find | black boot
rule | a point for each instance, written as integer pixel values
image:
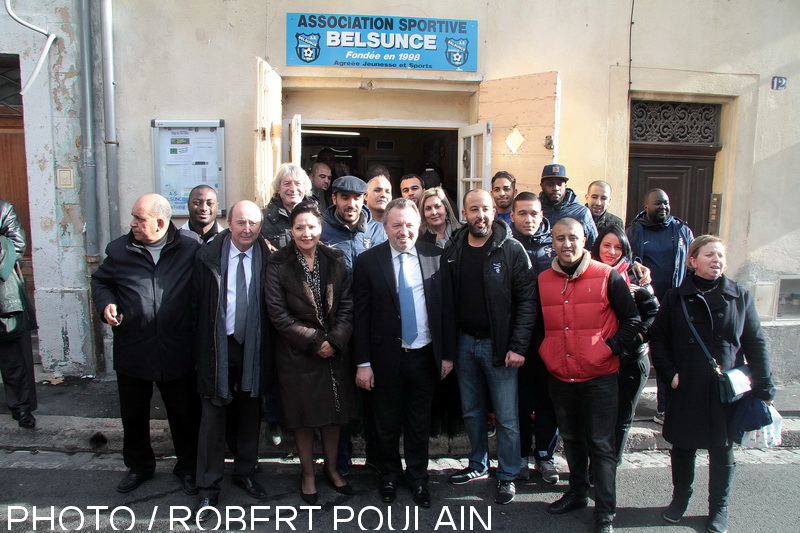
(682, 481)
(720, 477)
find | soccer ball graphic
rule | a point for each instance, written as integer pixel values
(457, 57)
(308, 54)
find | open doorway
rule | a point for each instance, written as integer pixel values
(401, 150)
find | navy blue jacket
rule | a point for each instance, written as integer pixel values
(539, 247)
(672, 234)
(352, 241)
(570, 208)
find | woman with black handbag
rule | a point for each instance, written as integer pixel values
(705, 327)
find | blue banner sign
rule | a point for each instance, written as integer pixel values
(381, 42)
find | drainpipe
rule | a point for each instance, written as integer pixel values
(89, 166)
(110, 119)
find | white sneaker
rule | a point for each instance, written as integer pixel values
(524, 469)
(548, 471)
(659, 418)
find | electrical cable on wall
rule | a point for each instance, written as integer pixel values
(51, 37)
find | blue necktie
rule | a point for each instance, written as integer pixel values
(408, 315)
(240, 316)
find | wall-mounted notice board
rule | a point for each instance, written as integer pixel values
(187, 153)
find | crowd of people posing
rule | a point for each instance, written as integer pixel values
(337, 303)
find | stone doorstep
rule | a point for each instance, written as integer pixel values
(104, 435)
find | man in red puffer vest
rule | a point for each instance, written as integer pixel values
(589, 317)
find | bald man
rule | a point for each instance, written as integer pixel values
(379, 194)
(230, 345)
(589, 318)
(142, 290)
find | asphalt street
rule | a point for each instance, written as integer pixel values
(77, 492)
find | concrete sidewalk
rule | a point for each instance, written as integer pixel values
(82, 414)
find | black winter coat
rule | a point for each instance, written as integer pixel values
(205, 294)
(154, 341)
(730, 329)
(10, 227)
(509, 285)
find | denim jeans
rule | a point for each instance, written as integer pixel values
(587, 415)
(478, 379)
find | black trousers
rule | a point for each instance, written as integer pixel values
(211, 447)
(403, 404)
(534, 397)
(587, 415)
(183, 414)
(16, 367)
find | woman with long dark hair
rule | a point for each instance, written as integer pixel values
(613, 249)
(310, 303)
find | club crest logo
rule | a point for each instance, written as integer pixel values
(307, 47)
(456, 52)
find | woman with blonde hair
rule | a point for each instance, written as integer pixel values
(290, 187)
(438, 219)
(704, 327)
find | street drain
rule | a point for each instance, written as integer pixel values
(98, 442)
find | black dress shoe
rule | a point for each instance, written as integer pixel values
(188, 484)
(206, 514)
(422, 497)
(25, 419)
(568, 502)
(345, 489)
(388, 492)
(251, 486)
(132, 481)
(310, 499)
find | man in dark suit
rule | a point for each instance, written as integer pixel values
(230, 338)
(404, 339)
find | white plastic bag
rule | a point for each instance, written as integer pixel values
(766, 437)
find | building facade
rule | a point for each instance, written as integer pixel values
(591, 85)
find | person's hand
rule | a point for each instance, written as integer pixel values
(643, 273)
(675, 382)
(514, 360)
(447, 367)
(365, 378)
(110, 315)
(269, 246)
(326, 350)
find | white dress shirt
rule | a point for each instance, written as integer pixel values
(233, 264)
(413, 273)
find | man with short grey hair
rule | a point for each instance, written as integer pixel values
(142, 290)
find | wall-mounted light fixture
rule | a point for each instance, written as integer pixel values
(332, 132)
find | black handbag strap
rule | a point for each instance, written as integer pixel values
(711, 360)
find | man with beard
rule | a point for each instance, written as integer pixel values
(598, 196)
(348, 226)
(379, 193)
(559, 201)
(504, 188)
(494, 291)
(203, 207)
(660, 242)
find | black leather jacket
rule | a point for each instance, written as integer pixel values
(509, 285)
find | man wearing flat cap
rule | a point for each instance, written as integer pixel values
(348, 224)
(559, 201)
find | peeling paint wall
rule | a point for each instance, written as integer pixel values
(52, 110)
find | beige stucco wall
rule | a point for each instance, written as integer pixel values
(186, 60)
